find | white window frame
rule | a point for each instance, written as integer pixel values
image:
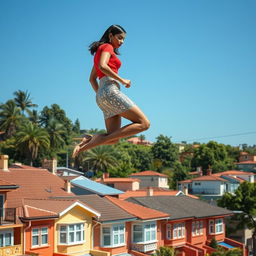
(168, 231)
(147, 228)
(178, 230)
(4, 233)
(218, 225)
(69, 231)
(40, 234)
(115, 231)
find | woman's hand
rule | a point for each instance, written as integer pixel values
(126, 83)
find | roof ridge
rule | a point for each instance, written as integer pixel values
(40, 209)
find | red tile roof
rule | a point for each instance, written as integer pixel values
(247, 162)
(148, 173)
(6, 183)
(144, 192)
(233, 172)
(138, 211)
(119, 180)
(33, 183)
(208, 178)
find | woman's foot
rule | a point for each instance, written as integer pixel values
(77, 148)
(93, 142)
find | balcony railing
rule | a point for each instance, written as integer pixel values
(144, 247)
(7, 216)
(11, 250)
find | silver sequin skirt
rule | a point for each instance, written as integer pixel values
(110, 99)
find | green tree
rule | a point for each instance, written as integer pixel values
(179, 173)
(222, 252)
(76, 127)
(100, 158)
(30, 138)
(212, 154)
(10, 118)
(33, 116)
(165, 151)
(56, 133)
(244, 202)
(23, 100)
(165, 251)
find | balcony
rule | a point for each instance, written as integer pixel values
(144, 247)
(7, 216)
(11, 250)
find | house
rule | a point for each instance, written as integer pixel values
(123, 184)
(145, 232)
(191, 225)
(65, 171)
(218, 183)
(11, 235)
(247, 162)
(139, 141)
(151, 179)
(58, 227)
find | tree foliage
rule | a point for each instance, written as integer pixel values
(243, 201)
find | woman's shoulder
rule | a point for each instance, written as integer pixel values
(106, 46)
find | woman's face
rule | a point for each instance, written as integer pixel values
(117, 40)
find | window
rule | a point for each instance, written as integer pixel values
(6, 237)
(113, 235)
(197, 228)
(71, 234)
(216, 227)
(168, 231)
(39, 236)
(211, 226)
(145, 232)
(178, 230)
(219, 226)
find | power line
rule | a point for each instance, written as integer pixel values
(222, 136)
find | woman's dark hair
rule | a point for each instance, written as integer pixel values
(114, 30)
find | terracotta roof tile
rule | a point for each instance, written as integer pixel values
(247, 162)
(208, 178)
(148, 173)
(119, 180)
(233, 172)
(6, 183)
(33, 183)
(139, 211)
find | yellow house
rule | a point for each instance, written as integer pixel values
(70, 233)
(73, 230)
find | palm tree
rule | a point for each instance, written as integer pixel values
(34, 116)
(10, 118)
(101, 158)
(23, 100)
(30, 138)
(56, 132)
(142, 138)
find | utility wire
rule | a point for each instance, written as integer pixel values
(222, 136)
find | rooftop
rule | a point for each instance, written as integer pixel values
(180, 207)
(148, 173)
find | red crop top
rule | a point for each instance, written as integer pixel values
(114, 63)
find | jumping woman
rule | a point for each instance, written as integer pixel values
(109, 98)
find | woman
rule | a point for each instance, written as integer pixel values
(110, 99)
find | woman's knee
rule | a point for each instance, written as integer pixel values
(145, 124)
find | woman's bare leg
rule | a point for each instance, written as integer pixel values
(139, 123)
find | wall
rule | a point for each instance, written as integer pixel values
(45, 250)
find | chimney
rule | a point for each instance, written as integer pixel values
(67, 186)
(50, 165)
(4, 163)
(150, 191)
(199, 170)
(105, 175)
(209, 171)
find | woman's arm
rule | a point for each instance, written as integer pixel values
(93, 79)
(104, 68)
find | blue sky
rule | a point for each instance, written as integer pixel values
(192, 63)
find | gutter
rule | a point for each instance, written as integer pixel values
(24, 236)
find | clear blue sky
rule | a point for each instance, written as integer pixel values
(192, 63)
